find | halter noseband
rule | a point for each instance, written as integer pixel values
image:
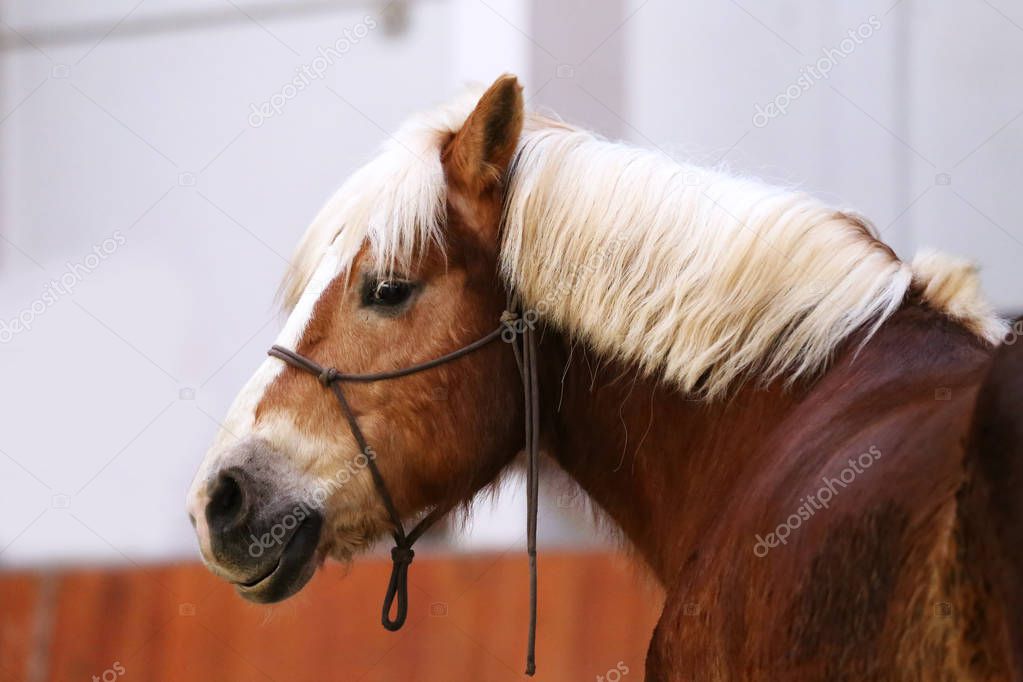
(513, 330)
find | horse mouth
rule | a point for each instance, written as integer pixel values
(293, 569)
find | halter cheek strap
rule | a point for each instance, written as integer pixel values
(522, 339)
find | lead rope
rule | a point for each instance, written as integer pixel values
(526, 360)
(396, 597)
(532, 436)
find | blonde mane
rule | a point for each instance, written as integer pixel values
(697, 276)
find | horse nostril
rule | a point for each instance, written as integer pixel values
(227, 506)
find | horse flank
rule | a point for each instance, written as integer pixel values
(699, 277)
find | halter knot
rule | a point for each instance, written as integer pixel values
(508, 317)
(327, 376)
(402, 555)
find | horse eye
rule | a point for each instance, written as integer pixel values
(388, 292)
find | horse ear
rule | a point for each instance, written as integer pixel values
(478, 155)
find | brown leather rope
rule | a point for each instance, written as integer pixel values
(396, 597)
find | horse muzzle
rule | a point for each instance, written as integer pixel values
(260, 538)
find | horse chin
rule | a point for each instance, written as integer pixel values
(352, 535)
(295, 566)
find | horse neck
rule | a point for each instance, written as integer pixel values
(656, 461)
(665, 467)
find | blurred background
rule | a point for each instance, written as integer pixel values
(159, 160)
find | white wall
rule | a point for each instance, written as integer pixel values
(965, 112)
(931, 96)
(149, 137)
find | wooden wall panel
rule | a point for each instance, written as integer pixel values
(467, 621)
(19, 596)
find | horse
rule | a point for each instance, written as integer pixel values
(813, 446)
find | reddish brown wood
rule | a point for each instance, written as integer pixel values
(467, 622)
(19, 596)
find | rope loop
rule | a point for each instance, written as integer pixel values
(396, 598)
